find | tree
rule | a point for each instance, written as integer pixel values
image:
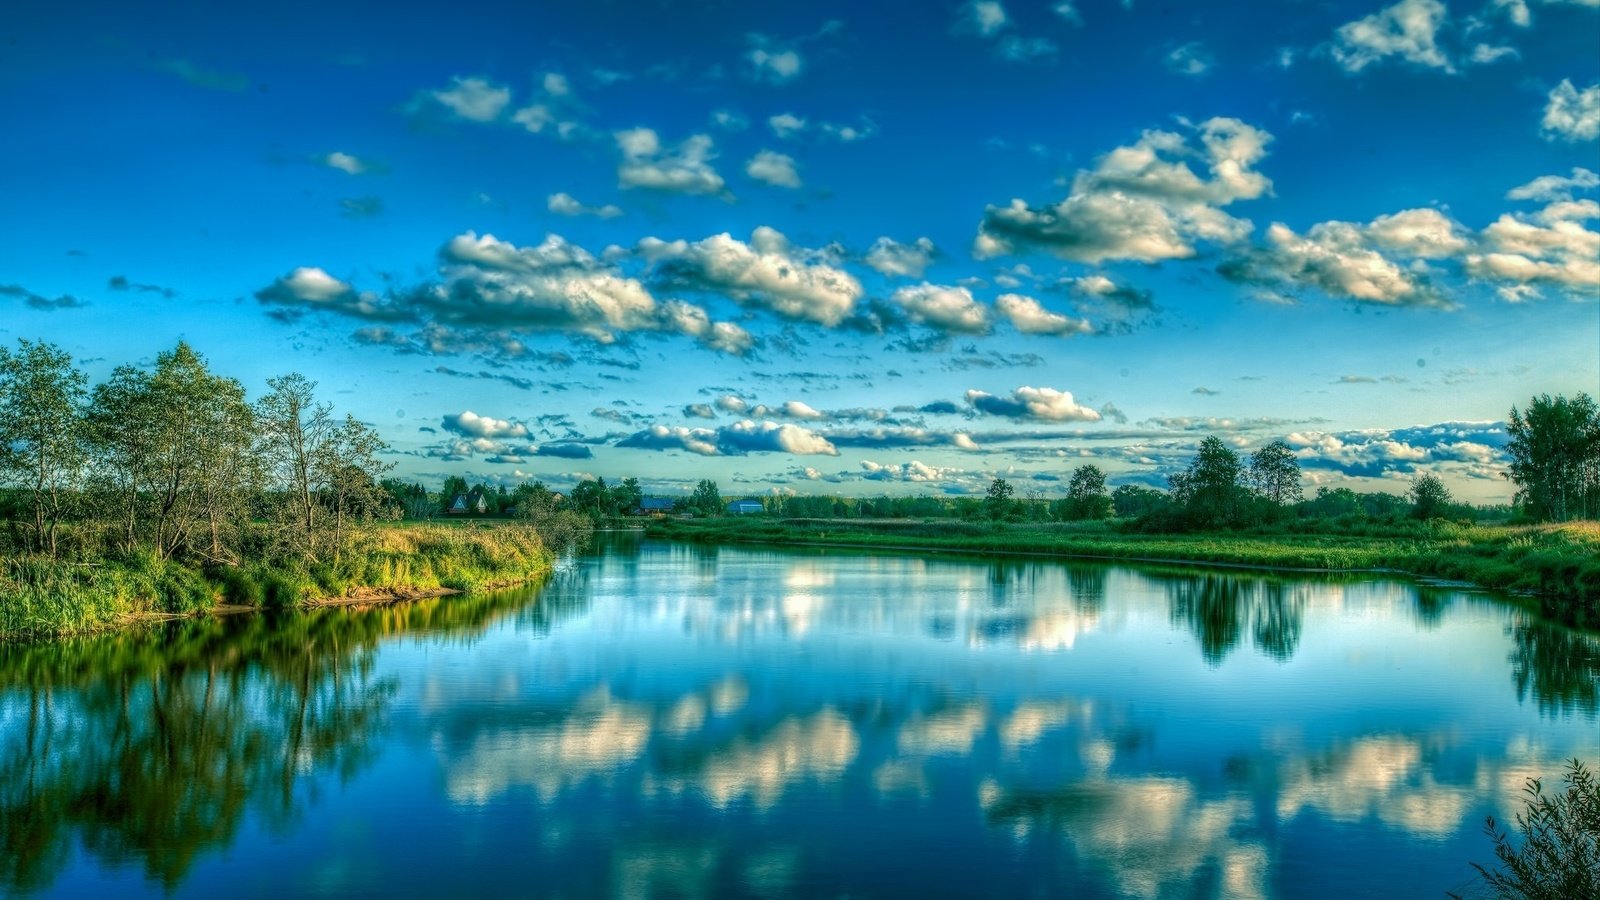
(454, 486)
(1555, 457)
(41, 397)
(997, 500)
(1086, 494)
(706, 499)
(349, 468)
(1209, 491)
(1132, 500)
(591, 497)
(1275, 474)
(627, 496)
(294, 430)
(1559, 854)
(1429, 497)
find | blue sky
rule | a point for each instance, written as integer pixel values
(828, 248)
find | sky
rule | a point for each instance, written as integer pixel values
(830, 248)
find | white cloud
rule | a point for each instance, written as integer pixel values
(1191, 59)
(735, 439)
(564, 204)
(686, 170)
(914, 471)
(1551, 247)
(986, 17)
(556, 84)
(1336, 258)
(470, 424)
(1143, 201)
(768, 62)
(1045, 404)
(1571, 114)
(1028, 316)
(1418, 233)
(776, 169)
(475, 99)
(946, 308)
(904, 260)
(729, 120)
(1408, 29)
(767, 272)
(344, 162)
(786, 125)
(1555, 187)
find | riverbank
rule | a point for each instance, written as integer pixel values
(1555, 566)
(42, 597)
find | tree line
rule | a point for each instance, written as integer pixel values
(174, 460)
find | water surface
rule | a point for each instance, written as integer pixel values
(678, 721)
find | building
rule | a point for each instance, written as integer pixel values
(655, 507)
(471, 503)
(745, 508)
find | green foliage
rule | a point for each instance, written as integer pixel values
(1558, 857)
(1132, 500)
(1275, 474)
(1429, 497)
(1555, 457)
(41, 428)
(1211, 493)
(997, 500)
(1086, 494)
(706, 501)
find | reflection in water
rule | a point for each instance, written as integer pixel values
(673, 720)
(1559, 666)
(150, 747)
(1218, 608)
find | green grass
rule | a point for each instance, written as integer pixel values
(44, 597)
(1558, 564)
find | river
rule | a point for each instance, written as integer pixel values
(667, 720)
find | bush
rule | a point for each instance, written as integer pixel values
(1559, 855)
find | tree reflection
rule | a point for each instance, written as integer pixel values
(1219, 608)
(151, 747)
(1559, 666)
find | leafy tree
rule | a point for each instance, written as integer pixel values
(706, 499)
(454, 486)
(1429, 497)
(627, 496)
(997, 500)
(41, 395)
(1210, 492)
(1131, 500)
(294, 429)
(1555, 457)
(591, 497)
(350, 469)
(1559, 855)
(1086, 494)
(1275, 474)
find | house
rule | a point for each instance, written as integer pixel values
(473, 503)
(745, 508)
(655, 507)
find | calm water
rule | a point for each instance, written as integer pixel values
(676, 721)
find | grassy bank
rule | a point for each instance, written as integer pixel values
(42, 597)
(1558, 564)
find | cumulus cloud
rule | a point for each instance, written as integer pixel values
(915, 472)
(1142, 202)
(771, 167)
(474, 99)
(987, 19)
(1571, 114)
(951, 310)
(1028, 316)
(346, 163)
(786, 125)
(1471, 449)
(684, 170)
(470, 424)
(1408, 30)
(1339, 260)
(773, 63)
(1549, 188)
(893, 258)
(768, 272)
(739, 438)
(1551, 247)
(564, 204)
(1040, 404)
(491, 287)
(1190, 59)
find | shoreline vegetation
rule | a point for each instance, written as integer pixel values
(1555, 566)
(48, 597)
